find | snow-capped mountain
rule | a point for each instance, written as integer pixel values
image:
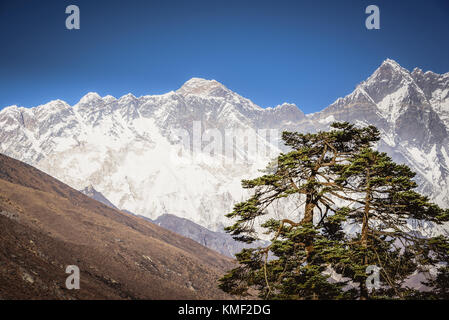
(128, 149)
(131, 150)
(410, 109)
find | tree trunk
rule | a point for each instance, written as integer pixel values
(365, 228)
(308, 218)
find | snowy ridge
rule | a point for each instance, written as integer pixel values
(411, 109)
(127, 149)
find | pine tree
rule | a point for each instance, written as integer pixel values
(343, 184)
(437, 250)
(383, 204)
(305, 172)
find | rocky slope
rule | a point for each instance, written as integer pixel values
(218, 241)
(135, 151)
(45, 226)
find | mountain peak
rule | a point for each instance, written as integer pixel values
(286, 105)
(91, 96)
(54, 104)
(391, 67)
(109, 98)
(127, 97)
(11, 108)
(203, 87)
(200, 81)
(417, 70)
(391, 62)
(389, 73)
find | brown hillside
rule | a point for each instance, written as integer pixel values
(45, 226)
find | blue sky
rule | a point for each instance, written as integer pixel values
(303, 52)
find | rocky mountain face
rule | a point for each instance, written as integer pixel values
(218, 241)
(94, 194)
(142, 155)
(410, 109)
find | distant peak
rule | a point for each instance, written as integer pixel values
(91, 96)
(108, 98)
(284, 106)
(290, 110)
(387, 71)
(199, 81)
(128, 96)
(391, 62)
(287, 105)
(14, 110)
(10, 108)
(54, 104)
(59, 101)
(203, 87)
(392, 66)
(420, 72)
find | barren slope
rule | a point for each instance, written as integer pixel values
(46, 225)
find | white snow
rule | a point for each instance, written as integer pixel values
(127, 150)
